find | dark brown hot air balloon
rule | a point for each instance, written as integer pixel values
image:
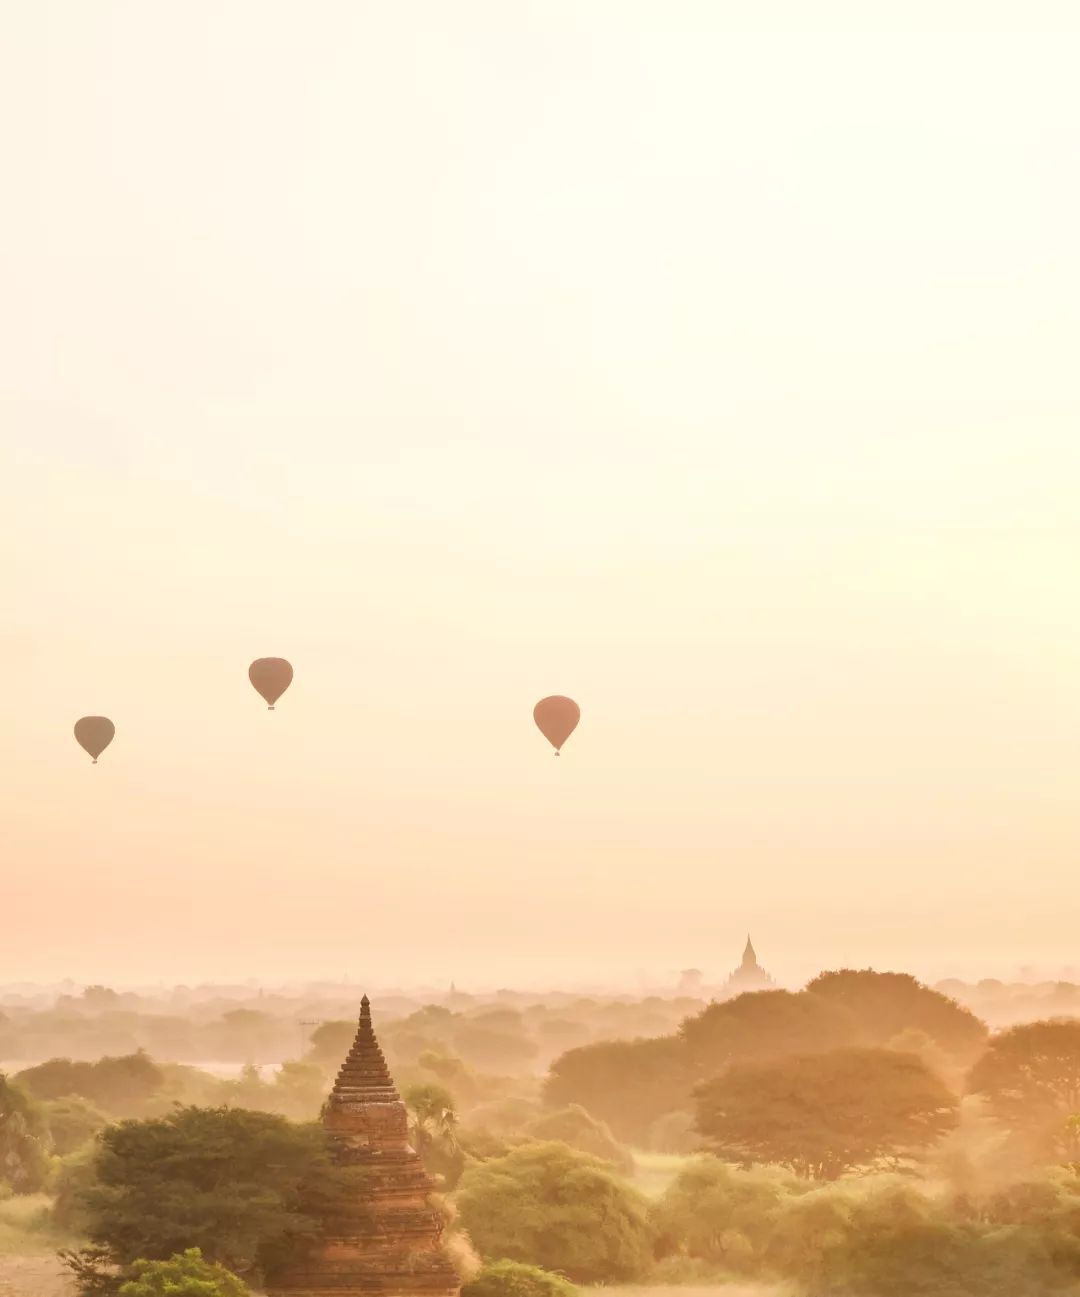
(557, 718)
(271, 677)
(94, 733)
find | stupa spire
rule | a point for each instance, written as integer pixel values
(363, 1077)
(749, 958)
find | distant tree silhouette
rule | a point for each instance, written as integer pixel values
(121, 1086)
(626, 1083)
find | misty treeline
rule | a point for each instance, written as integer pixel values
(867, 1135)
(506, 1031)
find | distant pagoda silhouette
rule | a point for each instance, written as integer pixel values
(749, 976)
(387, 1242)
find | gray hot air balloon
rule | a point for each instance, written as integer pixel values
(94, 733)
(556, 718)
(271, 677)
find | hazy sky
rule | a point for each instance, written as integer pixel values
(714, 368)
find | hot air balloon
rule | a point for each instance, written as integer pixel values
(271, 677)
(557, 718)
(94, 733)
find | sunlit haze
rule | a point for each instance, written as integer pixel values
(713, 368)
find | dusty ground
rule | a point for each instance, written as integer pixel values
(32, 1276)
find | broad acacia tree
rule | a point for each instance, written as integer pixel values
(824, 1114)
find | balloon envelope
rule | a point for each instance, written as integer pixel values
(557, 718)
(94, 733)
(271, 677)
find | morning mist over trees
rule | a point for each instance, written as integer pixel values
(541, 649)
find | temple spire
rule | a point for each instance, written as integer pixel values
(364, 1077)
(749, 959)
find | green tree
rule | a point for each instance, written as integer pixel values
(515, 1279)
(626, 1083)
(714, 1213)
(824, 1114)
(1030, 1079)
(231, 1182)
(885, 1005)
(24, 1139)
(548, 1205)
(183, 1275)
(761, 1025)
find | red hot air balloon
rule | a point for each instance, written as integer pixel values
(556, 718)
(94, 734)
(271, 677)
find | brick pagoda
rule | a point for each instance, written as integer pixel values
(387, 1242)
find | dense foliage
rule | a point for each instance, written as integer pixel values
(245, 1187)
(515, 1279)
(184, 1275)
(551, 1206)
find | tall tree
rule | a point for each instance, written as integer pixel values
(824, 1114)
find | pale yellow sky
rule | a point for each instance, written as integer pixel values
(716, 369)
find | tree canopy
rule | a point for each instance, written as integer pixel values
(884, 1005)
(548, 1205)
(626, 1083)
(225, 1180)
(120, 1086)
(515, 1279)
(183, 1275)
(824, 1114)
(760, 1025)
(1030, 1078)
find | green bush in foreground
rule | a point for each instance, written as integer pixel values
(516, 1279)
(549, 1205)
(183, 1275)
